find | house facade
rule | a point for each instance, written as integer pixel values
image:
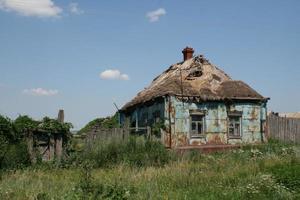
(196, 103)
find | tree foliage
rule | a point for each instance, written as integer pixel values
(6, 128)
(24, 124)
(106, 122)
(54, 126)
(7, 136)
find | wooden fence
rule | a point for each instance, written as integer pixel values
(284, 129)
(115, 133)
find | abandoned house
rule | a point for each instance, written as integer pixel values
(198, 104)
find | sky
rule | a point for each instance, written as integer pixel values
(83, 55)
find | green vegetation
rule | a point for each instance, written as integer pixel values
(54, 126)
(106, 122)
(156, 128)
(135, 151)
(143, 169)
(13, 146)
(13, 149)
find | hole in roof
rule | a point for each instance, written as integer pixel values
(217, 78)
(195, 73)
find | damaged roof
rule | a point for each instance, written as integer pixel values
(198, 78)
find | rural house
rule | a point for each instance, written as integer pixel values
(198, 104)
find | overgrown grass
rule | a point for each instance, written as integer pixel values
(136, 151)
(268, 171)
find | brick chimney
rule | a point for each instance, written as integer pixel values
(187, 53)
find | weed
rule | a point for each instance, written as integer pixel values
(287, 174)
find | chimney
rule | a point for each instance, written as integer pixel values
(187, 53)
(61, 116)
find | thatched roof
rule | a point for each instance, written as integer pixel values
(197, 78)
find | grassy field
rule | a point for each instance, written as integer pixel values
(269, 171)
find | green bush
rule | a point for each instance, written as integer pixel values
(6, 129)
(106, 122)
(13, 149)
(88, 188)
(42, 196)
(16, 156)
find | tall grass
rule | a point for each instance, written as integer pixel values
(262, 172)
(136, 151)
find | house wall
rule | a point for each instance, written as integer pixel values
(215, 122)
(176, 116)
(145, 115)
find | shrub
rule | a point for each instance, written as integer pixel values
(87, 188)
(6, 129)
(16, 156)
(107, 122)
(13, 150)
(42, 196)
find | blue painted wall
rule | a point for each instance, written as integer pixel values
(176, 116)
(144, 116)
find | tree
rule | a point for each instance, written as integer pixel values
(6, 128)
(54, 126)
(6, 136)
(106, 122)
(24, 125)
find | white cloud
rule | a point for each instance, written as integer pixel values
(74, 8)
(113, 74)
(37, 8)
(40, 92)
(154, 16)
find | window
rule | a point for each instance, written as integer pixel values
(234, 126)
(197, 125)
(144, 119)
(156, 116)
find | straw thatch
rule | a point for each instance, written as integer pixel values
(197, 78)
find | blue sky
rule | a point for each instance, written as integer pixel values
(53, 52)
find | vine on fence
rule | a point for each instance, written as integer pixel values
(13, 134)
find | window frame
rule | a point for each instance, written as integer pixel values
(231, 116)
(156, 116)
(196, 134)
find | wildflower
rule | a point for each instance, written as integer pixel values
(256, 153)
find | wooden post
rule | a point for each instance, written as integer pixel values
(59, 138)
(30, 147)
(58, 147)
(51, 147)
(136, 122)
(149, 132)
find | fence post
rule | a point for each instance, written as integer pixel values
(149, 132)
(30, 147)
(51, 146)
(58, 140)
(58, 146)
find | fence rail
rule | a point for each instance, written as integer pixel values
(284, 129)
(116, 133)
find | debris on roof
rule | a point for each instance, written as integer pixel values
(195, 77)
